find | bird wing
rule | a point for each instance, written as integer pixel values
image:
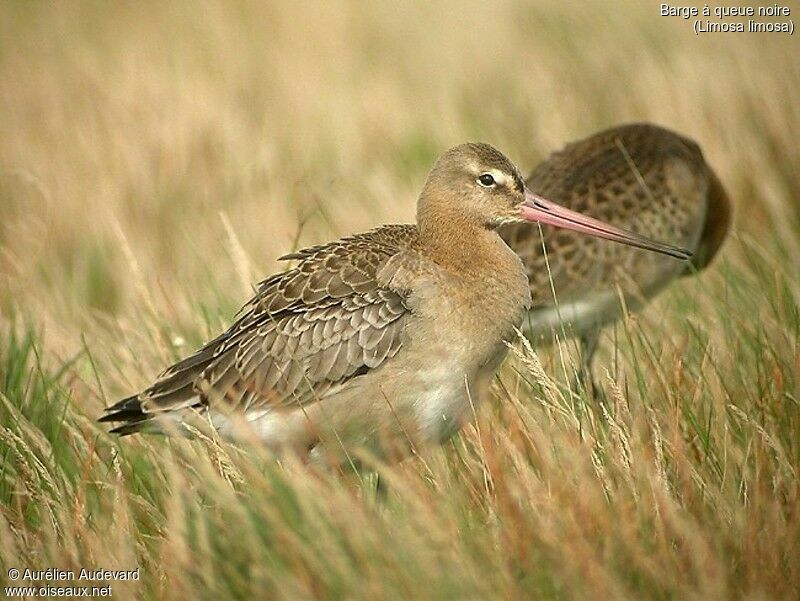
(641, 177)
(330, 318)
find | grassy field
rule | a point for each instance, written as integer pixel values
(156, 158)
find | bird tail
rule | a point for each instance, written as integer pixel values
(136, 419)
(171, 395)
(129, 411)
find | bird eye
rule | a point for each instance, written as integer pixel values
(486, 180)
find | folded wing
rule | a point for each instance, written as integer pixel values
(306, 331)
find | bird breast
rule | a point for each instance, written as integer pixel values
(457, 340)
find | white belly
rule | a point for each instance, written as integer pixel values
(584, 314)
(447, 402)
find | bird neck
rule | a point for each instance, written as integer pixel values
(457, 241)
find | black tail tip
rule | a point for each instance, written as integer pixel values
(130, 412)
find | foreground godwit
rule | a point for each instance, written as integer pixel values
(384, 340)
(641, 177)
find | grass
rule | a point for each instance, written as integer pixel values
(154, 160)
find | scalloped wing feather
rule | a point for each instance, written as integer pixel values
(332, 317)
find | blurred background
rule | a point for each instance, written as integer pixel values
(157, 157)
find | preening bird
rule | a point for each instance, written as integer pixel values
(639, 177)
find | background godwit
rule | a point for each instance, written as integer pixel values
(385, 340)
(641, 177)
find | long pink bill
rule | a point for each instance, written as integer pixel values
(536, 208)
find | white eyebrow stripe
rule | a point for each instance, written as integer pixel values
(500, 177)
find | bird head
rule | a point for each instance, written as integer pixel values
(479, 183)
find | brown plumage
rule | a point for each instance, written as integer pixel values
(382, 340)
(641, 177)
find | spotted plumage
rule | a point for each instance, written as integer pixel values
(641, 177)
